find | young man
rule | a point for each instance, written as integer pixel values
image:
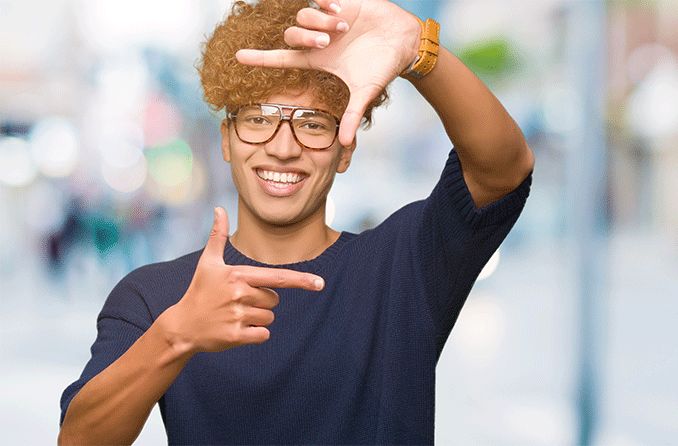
(236, 342)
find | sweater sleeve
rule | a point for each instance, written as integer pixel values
(456, 239)
(122, 320)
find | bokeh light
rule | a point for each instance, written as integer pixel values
(107, 25)
(17, 168)
(125, 178)
(170, 164)
(653, 107)
(55, 146)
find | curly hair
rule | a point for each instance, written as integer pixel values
(228, 84)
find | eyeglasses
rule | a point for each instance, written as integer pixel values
(259, 123)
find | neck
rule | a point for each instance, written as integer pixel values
(282, 244)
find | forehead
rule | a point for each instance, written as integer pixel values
(303, 99)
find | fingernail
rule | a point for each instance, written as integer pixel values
(215, 213)
(319, 283)
(342, 26)
(322, 41)
(336, 8)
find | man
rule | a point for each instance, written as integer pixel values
(237, 342)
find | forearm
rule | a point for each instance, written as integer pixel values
(487, 139)
(113, 407)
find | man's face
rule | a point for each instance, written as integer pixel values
(293, 203)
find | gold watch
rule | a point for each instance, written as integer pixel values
(428, 50)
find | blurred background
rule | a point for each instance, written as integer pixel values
(109, 160)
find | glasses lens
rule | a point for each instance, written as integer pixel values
(255, 123)
(314, 128)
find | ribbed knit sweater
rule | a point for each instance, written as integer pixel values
(351, 364)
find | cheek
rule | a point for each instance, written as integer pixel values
(325, 179)
(239, 174)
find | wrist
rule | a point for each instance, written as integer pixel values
(427, 53)
(412, 46)
(170, 327)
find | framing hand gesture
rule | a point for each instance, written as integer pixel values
(366, 43)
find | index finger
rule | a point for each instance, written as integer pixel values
(258, 276)
(273, 58)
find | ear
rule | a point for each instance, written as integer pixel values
(225, 142)
(346, 154)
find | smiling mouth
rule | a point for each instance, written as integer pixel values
(278, 178)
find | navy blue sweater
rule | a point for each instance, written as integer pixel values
(352, 364)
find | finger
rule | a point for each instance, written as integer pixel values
(350, 121)
(258, 317)
(313, 19)
(254, 335)
(271, 300)
(329, 5)
(273, 58)
(262, 297)
(257, 276)
(295, 36)
(214, 249)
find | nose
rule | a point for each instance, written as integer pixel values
(284, 145)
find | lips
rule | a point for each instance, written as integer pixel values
(293, 181)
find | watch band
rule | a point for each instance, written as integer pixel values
(428, 50)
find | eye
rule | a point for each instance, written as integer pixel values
(258, 120)
(313, 125)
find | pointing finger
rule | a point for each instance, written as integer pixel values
(273, 58)
(279, 278)
(214, 249)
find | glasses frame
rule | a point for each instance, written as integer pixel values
(232, 116)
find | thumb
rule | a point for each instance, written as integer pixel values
(218, 235)
(350, 121)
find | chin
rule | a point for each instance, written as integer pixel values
(280, 219)
(278, 215)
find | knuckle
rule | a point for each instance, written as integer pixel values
(280, 59)
(238, 292)
(231, 336)
(310, 40)
(234, 275)
(238, 313)
(279, 279)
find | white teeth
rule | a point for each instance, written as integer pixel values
(287, 177)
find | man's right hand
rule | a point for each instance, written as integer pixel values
(228, 305)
